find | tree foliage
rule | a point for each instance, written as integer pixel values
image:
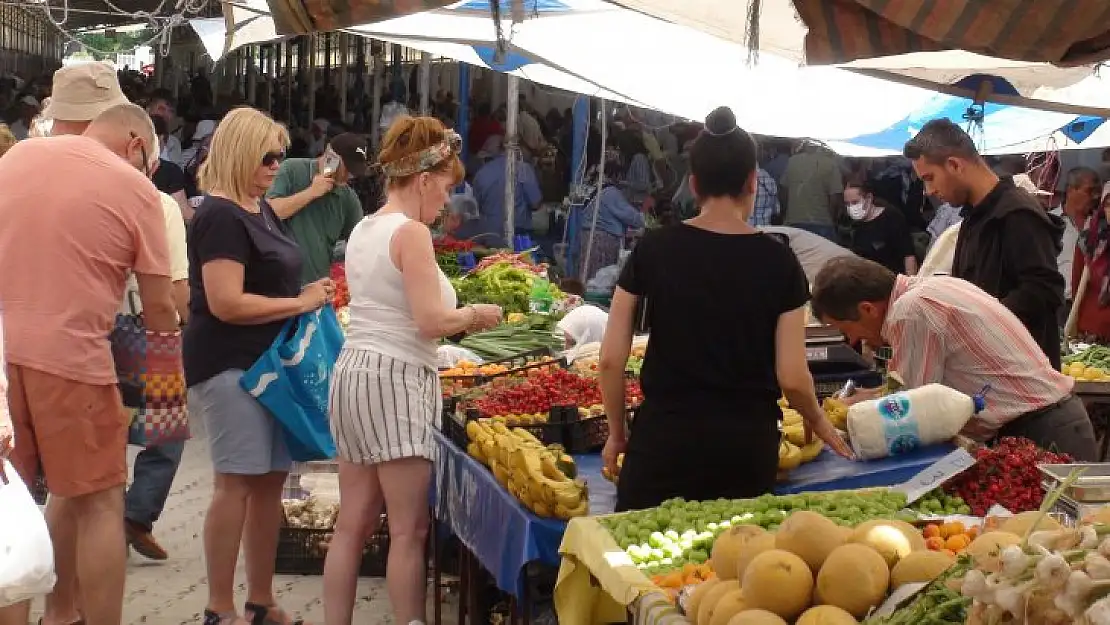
(105, 45)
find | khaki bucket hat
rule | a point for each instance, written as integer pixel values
(82, 92)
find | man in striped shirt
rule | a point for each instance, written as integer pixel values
(948, 331)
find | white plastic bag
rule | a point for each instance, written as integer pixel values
(451, 355)
(26, 553)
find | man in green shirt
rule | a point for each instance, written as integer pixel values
(312, 197)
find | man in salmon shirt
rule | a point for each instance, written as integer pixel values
(61, 288)
(1090, 316)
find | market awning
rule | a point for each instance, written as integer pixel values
(1063, 32)
(299, 17)
(780, 31)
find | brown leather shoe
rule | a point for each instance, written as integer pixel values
(142, 541)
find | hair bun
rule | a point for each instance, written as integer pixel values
(721, 121)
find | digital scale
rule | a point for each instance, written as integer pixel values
(828, 354)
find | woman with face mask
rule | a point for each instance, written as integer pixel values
(878, 233)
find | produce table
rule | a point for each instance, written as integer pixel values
(831, 472)
(598, 582)
(1096, 397)
(496, 529)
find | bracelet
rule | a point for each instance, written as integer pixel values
(473, 322)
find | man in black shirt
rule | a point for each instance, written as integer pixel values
(168, 177)
(1008, 244)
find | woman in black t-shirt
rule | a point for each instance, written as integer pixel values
(244, 274)
(726, 310)
(879, 233)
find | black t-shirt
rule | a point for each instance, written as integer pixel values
(713, 303)
(221, 230)
(885, 239)
(169, 177)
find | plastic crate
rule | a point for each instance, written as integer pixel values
(586, 435)
(454, 427)
(301, 551)
(514, 363)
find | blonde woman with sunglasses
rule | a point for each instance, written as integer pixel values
(244, 273)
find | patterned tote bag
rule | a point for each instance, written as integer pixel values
(151, 380)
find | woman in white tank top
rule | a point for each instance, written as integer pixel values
(385, 393)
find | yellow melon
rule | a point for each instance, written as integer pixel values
(727, 607)
(893, 540)
(826, 615)
(920, 566)
(756, 617)
(854, 578)
(1019, 524)
(727, 548)
(986, 549)
(780, 582)
(715, 594)
(750, 550)
(697, 596)
(810, 536)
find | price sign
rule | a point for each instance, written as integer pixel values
(938, 473)
(817, 354)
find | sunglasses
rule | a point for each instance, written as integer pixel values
(142, 153)
(269, 159)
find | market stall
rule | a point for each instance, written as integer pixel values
(837, 557)
(1089, 365)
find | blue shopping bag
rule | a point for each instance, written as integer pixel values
(291, 380)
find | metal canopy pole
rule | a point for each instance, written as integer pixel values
(425, 82)
(585, 277)
(313, 50)
(512, 153)
(344, 48)
(376, 104)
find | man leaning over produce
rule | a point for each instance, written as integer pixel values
(948, 331)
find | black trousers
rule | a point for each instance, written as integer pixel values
(1063, 427)
(699, 452)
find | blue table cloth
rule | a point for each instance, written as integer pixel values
(501, 533)
(505, 536)
(831, 472)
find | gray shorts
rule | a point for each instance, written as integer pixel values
(243, 436)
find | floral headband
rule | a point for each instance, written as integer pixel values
(425, 159)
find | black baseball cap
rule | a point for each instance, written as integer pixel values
(354, 150)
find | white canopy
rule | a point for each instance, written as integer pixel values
(598, 48)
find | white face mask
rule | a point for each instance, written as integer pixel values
(857, 211)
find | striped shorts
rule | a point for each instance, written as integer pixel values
(382, 408)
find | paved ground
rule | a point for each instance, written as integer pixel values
(174, 592)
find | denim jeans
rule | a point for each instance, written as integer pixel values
(155, 468)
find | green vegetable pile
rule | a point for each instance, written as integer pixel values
(1093, 356)
(449, 263)
(938, 503)
(535, 331)
(502, 284)
(662, 539)
(936, 604)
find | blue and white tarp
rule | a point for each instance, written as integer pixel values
(996, 128)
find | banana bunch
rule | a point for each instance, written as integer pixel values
(541, 478)
(837, 412)
(793, 449)
(613, 477)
